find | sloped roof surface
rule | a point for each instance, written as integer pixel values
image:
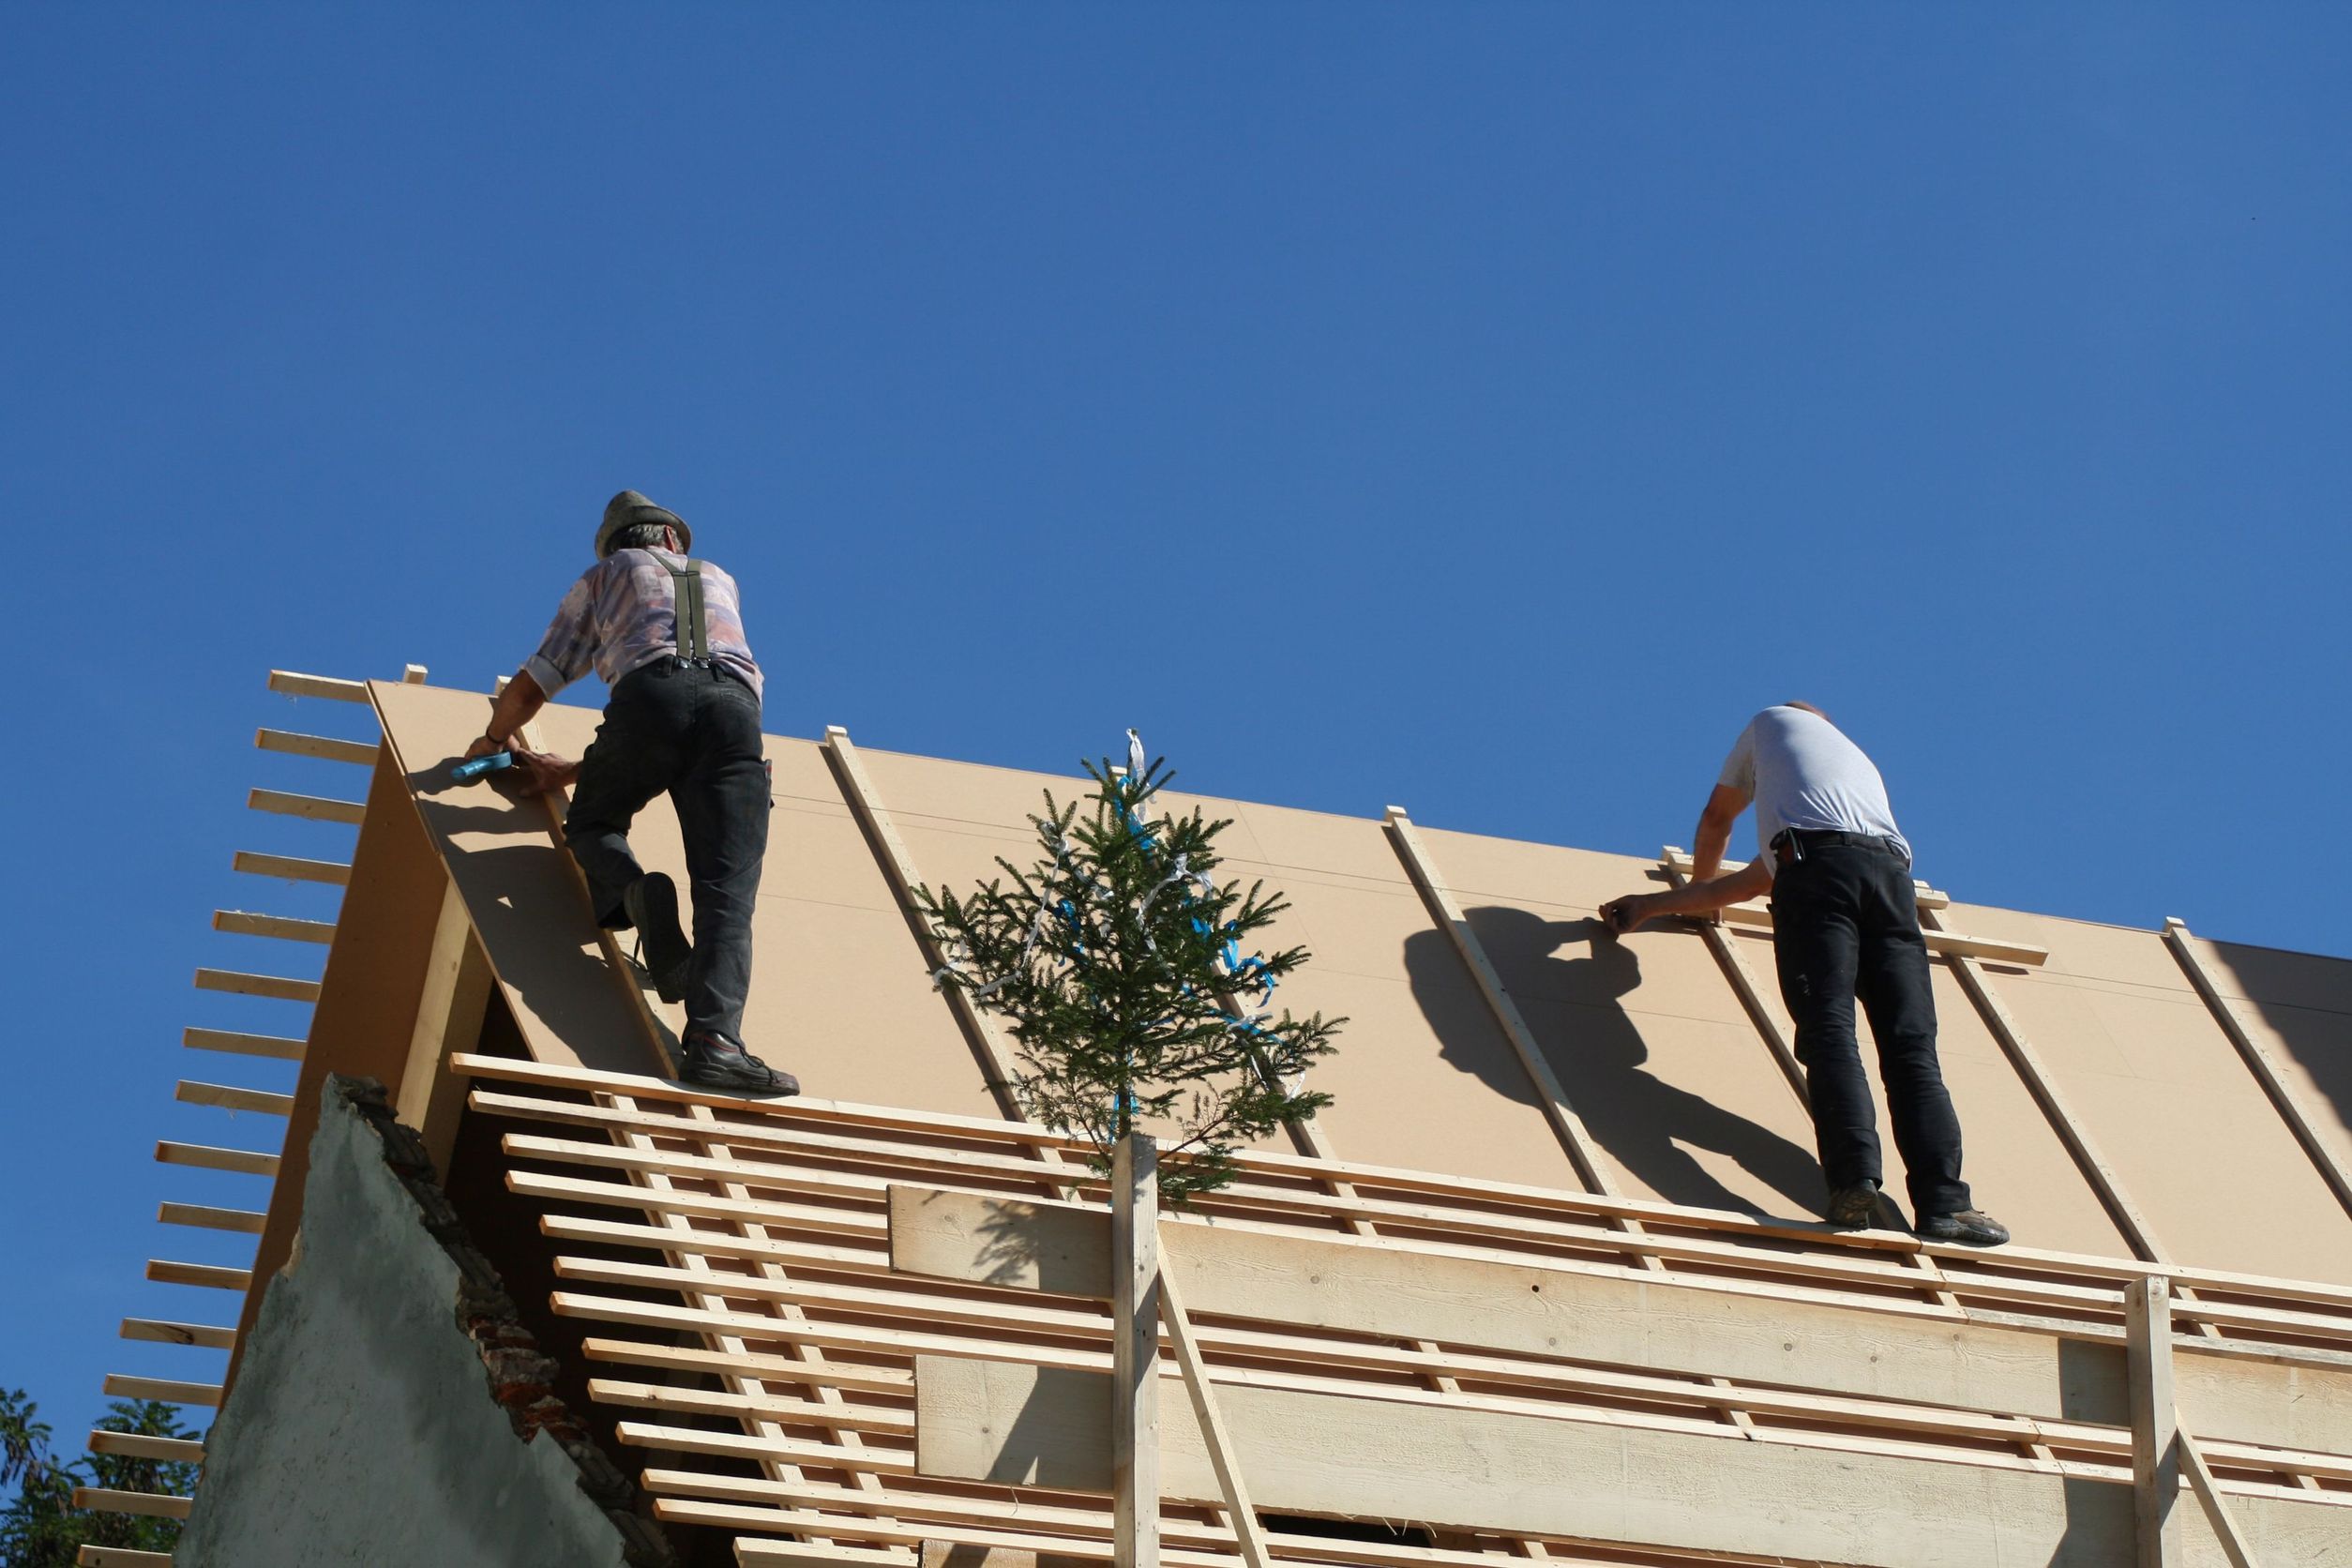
(1647, 1036)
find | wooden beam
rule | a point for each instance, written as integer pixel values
(296, 745)
(1685, 1327)
(278, 988)
(698, 1401)
(229, 1097)
(101, 1499)
(204, 1217)
(244, 1161)
(1679, 860)
(413, 674)
(2257, 1058)
(753, 1553)
(170, 1391)
(138, 1445)
(204, 1336)
(2218, 1513)
(284, 927)
(287, 868)
(1232, 1486)
(996, 1058)
(2138, 1233)
(1583, 1152)
(164, 1272)
(450, 1006)
(283, 1047)
(1470, 1203)
(318, 809)
(1135, 1349)
(289, 684)
(119, 1556)
(2155, 1421)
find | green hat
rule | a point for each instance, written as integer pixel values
(629, 508)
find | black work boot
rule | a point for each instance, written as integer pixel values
(1854, 1206)
(714, 1061)
(652, 904)
(1968, 1226)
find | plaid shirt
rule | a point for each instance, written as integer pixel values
(623, 615)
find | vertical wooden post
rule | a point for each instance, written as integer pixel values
(2155, 1423)
(1134, 1351)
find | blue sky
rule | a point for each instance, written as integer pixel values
(1482, 407)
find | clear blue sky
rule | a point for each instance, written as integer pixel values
(1478, 408)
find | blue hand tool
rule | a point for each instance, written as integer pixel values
(466, 773)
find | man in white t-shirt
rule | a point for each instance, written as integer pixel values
(1845, 924)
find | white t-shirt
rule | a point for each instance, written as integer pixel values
(1802, 773)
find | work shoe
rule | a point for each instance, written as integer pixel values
(652, 904)
(715, 1062)
(1853, 1207)
(1970, 1228)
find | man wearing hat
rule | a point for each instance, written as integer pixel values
(665, 632)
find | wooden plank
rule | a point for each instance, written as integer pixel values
(1135, 1349)
(2290, 1109)
(988, 1045)
(230, 1098)
(318, 809)
(413, 674)
(1830, 1251)
(450, 1007)
(701, 1359)
(291, 684)
(119, 1556)
(294, 744)
(1566, 1125)
(204, 1336)
(754, 1553)
(2227, 1529)
(1698, 1489)
(1950, 944)
(168, 1390)
(2042, 1084)
(2155, 1421)
(699, 1401)
(1680, 1326)
(236, 982)
(164, 1272)
(285, 927)
(1233, 1487)
(283, 1047)
(1679, 860)
(101, 1499)
(138, 1445)
(202, 1216)
(244, 1161)
(287, 868)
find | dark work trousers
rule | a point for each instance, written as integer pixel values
(693, 731)
(1846, 924)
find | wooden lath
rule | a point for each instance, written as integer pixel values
(236, 1099)
(801, 1185)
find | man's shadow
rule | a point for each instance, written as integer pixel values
(1639, 1119)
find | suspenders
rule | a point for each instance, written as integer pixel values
(693, 631)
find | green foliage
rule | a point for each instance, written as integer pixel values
(1117, 960)
(39, 1528)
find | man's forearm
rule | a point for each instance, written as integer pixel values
(515, 705)
(1714, 893)
(1707, 847)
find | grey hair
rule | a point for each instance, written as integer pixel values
(640, 535)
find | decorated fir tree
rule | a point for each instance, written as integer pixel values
(1126, 972)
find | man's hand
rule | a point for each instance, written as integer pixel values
(483, 746)
(538, 772)
(1628, 913)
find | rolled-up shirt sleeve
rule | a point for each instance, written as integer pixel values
(569, 648)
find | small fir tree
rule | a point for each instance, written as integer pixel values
(1119, 962)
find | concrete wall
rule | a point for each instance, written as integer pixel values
(390, 1410)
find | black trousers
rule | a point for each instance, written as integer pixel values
(694, 731)
(1846, 925)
